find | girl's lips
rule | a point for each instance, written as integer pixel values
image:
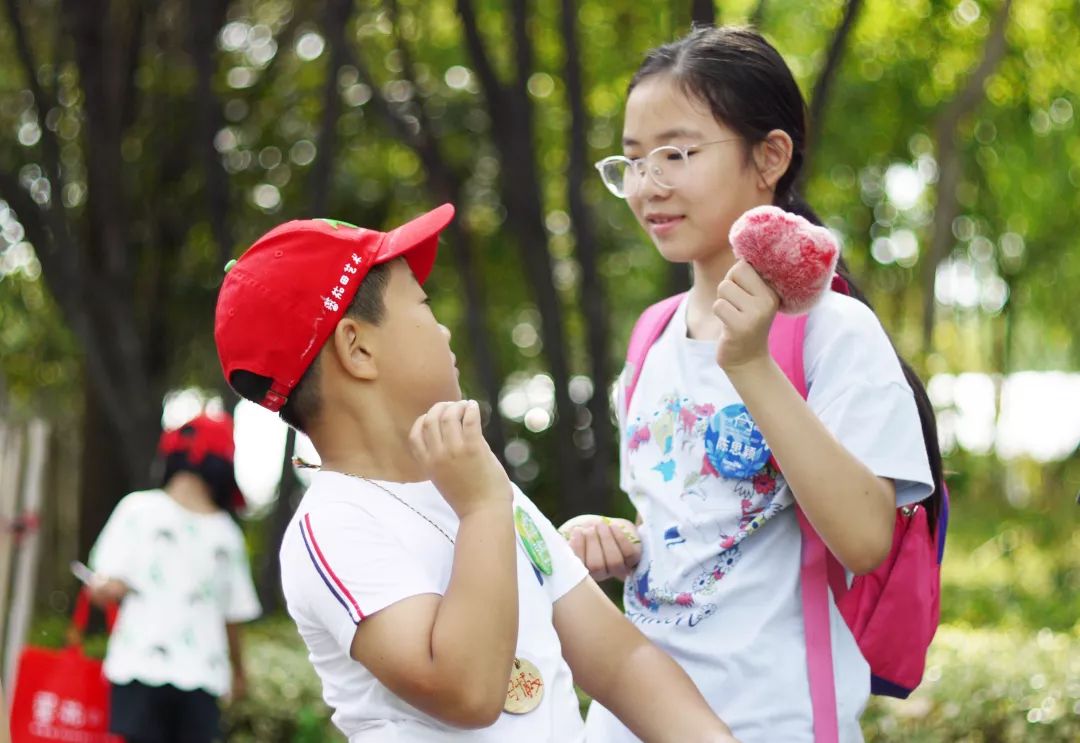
(661, 226)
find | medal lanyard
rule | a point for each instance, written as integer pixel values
(298, 462)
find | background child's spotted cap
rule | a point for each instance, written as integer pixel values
(283, 298)
(206, 444)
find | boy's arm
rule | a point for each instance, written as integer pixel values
(451, 655)
(617, 666)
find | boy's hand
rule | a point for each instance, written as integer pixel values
(450, 446)
(746, 305)
(610, 548)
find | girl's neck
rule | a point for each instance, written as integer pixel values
(191, 492)
(701, 323)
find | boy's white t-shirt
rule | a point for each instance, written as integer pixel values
(352, 549)
(718, 583)
(190, 576)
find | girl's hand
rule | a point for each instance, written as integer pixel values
(609, 548)
(746, 306)
(105, 591)
(239, 686)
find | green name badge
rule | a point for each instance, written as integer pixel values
(532, 540)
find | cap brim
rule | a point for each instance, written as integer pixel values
(417, 241)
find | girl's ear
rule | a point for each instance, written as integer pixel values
(772, 156)
(354, 348)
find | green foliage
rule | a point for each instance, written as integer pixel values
(284, 700)
(985, 685)
(1012, 559)
(39, 358)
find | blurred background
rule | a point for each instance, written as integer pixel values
(144, 144)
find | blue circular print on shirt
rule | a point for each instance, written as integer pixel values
(733, 444)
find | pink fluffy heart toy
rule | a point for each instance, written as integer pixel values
(796, 257)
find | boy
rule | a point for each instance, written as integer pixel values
(436, 601)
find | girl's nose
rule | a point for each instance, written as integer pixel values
(650, 189)
(445, 331)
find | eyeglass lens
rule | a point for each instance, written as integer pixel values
(665, 165)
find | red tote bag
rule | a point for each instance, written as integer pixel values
(62, 696)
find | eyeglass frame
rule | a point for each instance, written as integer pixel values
(633, 163)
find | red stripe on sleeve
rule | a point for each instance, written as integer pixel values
(329, 570)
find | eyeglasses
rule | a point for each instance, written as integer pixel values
(667, 165)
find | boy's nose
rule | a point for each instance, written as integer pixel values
(445, 331)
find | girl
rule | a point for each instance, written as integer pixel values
(714, 125)
(175, 559)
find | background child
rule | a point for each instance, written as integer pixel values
(176, 560)
(432, 595)
(714, 126)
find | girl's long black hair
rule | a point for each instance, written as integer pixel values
(748, 86)
(216, 471)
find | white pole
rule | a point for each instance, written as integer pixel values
(22, 602)
(11, 442)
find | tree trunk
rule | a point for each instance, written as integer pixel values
(819, 99)
(288, 492)
(757, 17)
(702, 12)
(597, 496)
(949, 165)
(446, 185)
(104, 478)
(511, 115)
(205, 20)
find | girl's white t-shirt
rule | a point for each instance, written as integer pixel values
(190, 576)
(352, 549)
(718, 583)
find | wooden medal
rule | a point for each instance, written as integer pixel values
(526, 688)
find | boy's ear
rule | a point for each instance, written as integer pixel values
(772, 156)
(354, 347)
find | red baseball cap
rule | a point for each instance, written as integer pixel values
(284, 296)
(203, 435)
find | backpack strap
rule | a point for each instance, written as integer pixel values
(786, 339)
(646, 330)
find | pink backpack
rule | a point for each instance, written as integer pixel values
(893, 611)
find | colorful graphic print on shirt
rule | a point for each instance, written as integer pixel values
(708, 458)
